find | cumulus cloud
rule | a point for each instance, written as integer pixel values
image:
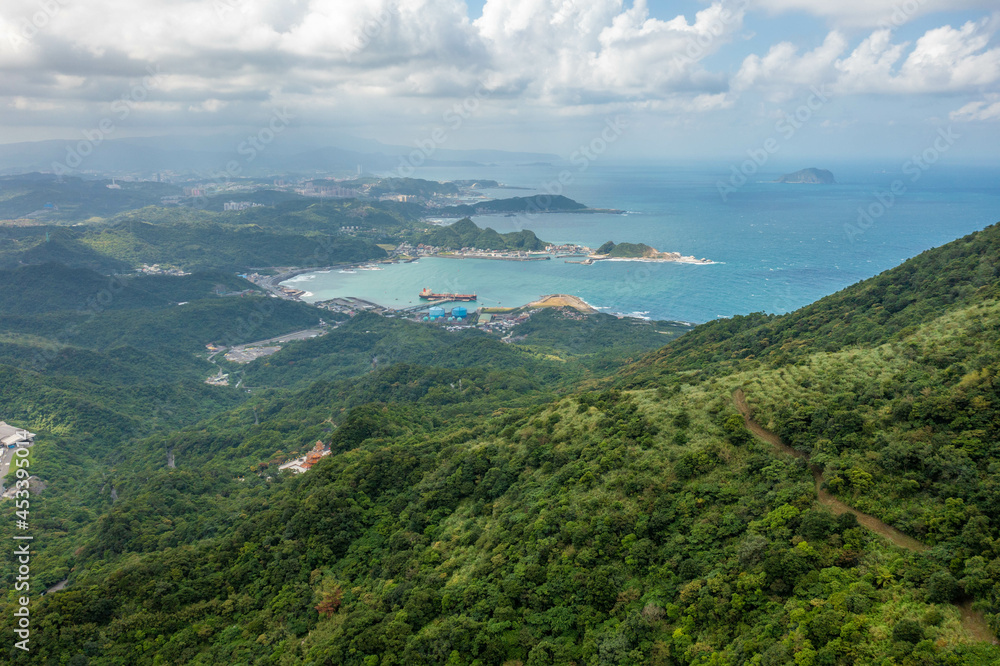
(783, 70)
(217, 56)
(222, 61)
(943, 60)
(582, 51)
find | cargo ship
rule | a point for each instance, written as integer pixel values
(429, 295)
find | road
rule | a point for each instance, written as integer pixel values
(5, 457)
(288, 337)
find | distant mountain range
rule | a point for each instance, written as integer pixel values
(249, 156)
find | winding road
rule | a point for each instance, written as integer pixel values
(973, 621)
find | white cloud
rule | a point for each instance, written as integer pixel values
(591, 51)
(781, 72)
(871, 13)
(222, 60)
(983, 110)
(943, 60)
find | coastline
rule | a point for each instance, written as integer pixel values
(654, 260)
(490, 258)
(576, 211)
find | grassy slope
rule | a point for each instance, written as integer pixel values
(637, 527)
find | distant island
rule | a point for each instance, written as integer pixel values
(641, 252)
(539, 203)
(809, 176)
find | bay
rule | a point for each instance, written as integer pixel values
(777, 247)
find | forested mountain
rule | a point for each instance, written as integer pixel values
(465, 233)
(548, 501)
(533, 205)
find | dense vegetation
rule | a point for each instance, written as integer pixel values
(492, 503)
(539, 203)
(286, 229)
(626, 250)
(70, 198)
(465, 233)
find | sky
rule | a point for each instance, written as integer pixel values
(677, 80)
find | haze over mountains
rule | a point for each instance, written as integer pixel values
(290, 152)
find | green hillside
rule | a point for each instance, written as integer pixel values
(539, 203)
(465, 233)
(70, 198)
(817, 489)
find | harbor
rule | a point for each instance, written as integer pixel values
(617, 287)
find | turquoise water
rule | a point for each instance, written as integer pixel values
(777, 247)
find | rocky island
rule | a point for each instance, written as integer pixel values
(640, 252)
(809, 176)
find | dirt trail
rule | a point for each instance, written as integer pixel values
(838, 507)
(973, 621)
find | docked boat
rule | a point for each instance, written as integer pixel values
(429, 295)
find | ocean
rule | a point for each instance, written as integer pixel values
(776, 247)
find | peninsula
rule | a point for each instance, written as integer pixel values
(640, 252)
(533, 205)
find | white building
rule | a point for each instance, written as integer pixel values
(11, 437)
(240, 205)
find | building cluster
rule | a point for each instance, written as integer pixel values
(240, 205)
(350, 306)
(568, 248)
(474, 252)
(331, 191)
(501, 323)
(156, 269)
(305, 463)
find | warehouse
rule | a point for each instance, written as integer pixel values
(11, 437)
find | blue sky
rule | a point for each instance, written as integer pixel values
(691, 79)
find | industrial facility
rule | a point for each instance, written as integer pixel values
(11, 437)
(438, 313)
